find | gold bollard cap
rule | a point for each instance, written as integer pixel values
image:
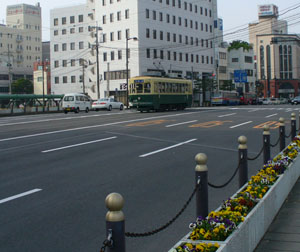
(114, 203)
(201, 160)
(242, 142)
(293, 115)
(266, 130)
(281, 120)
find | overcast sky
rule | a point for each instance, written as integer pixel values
(236, 14)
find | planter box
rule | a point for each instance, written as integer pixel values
(249, 233)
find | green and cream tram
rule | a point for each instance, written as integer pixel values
(157, 93)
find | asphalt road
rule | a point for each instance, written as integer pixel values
(56, 171)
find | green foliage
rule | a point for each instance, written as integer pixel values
(236, 44)
(227, 85)
(22, 86)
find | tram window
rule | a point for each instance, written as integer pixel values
(175, 87)
(163, 87)
(139, 88)
(156, 87)
(169, 87)
(147, 88)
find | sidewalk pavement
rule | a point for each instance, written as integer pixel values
(284, 232)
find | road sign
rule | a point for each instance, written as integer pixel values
(240, 76)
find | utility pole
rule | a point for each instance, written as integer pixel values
(9, 70)
(98, 28)
(83, 84)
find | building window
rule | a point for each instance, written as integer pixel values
(104, 19)
(111, 17)
(73, 79)
(72, 62)
(119, 54)
(56, 48)
(112, 55)
(161, 35)
(168, 36)
(168, 18)
(72, 30)
(154, 53)
(179, 21)
(262, 62)
(112, 36)
(64, 63)
(64, 31)
(104, 56)
(64, 47)
(154, 34)
(72, 46)
(187, 57)
(104, 37)
(55, 21)
(80, 18)
(119, 15)
(148, 53)
(80, 29)
(147, 13)
(65, 79)
(161, 54)
(56, 80)
(56, 63)
(161, 17)
(169, 55)
(147, 33)
(127, 33)
(119, 35)
(63, 20)
(174, 56)
(127, 14)
(81, 45)
(72, 19)
(248, 59)
(55, 32)
(154, 15)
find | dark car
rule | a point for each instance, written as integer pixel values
(296, 100)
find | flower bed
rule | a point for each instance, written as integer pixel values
(247, 215)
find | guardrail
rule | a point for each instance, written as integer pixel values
(115, 218)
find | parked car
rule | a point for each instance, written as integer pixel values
(74, 102)
(283, 101)
(260, 101)
(266, 101)
(275, 101)
(296, 100)
(107, 103)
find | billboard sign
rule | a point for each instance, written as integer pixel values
(267, 10)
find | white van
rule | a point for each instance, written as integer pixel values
(76, 102)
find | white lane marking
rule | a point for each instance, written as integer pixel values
(240, 124)
(271, 115)
(172, 125)
(227, 115)
(96, 126)
(76, 145)
(234, 108)
(19, 195)
(167, 148)
(253, 110)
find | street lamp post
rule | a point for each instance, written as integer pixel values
(127, 39)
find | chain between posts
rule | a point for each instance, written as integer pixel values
(275, 143)
(129, 234)
(288, 135)
(221, 186)
(257, 156)
(108, 242)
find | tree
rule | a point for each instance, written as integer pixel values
(227, 85)
(22, 86)
(236, 44)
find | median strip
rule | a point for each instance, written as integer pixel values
(19, 195)
(80, 144)
(167, 148)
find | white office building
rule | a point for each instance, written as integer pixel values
(163, 37)
(20, 43)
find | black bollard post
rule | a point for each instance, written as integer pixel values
(293, 126)
(202, 191)
(266, 143)
(282, 133)
(115, 222)
(243, 161)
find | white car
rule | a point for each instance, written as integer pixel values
(107, 103)
(266, 101)
(76, 102)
